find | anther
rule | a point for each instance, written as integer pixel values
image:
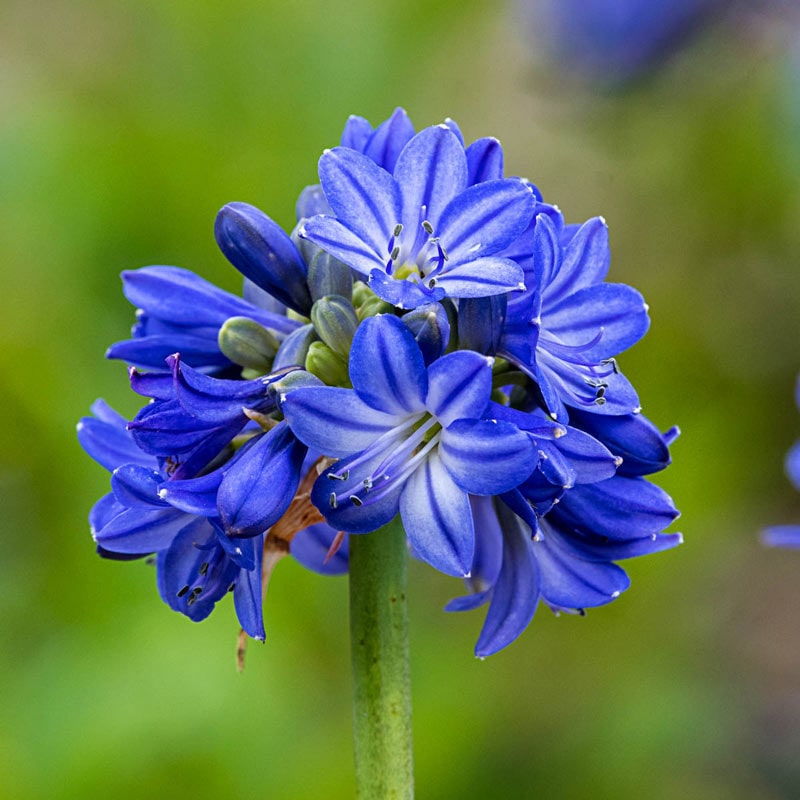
(432, 283)
(182, 592)
(232, 586)
(356, 500)
(336, 477)
(395, 252)
(610, 362)
(398, 229)
(204, 568)
(427, 227)
(332, 500)
(367, 484)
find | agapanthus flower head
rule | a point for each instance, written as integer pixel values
(432, 342)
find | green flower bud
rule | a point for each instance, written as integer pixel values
(328, 366)
(248, 344)
(335, 321)
(373, 306)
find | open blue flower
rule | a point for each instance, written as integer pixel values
(421, 232)
(412, 439)
(566, 559)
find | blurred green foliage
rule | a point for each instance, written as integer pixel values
(123, 128)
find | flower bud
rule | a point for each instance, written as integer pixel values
(327, 275)
(327, 365)
(334, 319)
(294, 348)
(248, 344)
(431, 329)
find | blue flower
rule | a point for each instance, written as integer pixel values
(180, 312)
(567, 328)
(611, 42)
(787, 535)
(197, 563)
(412, 439)
(421, 232)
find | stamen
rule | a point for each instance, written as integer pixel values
(398, 229)
(610, 362)
(336, 477)
(332, 500)
(395, 252)
(427, 227)
(204, 568)
(356, 500)
(182, 592)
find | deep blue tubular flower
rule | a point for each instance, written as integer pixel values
(196, 562)
(421, 233)
(264, 254)
(566, 559)
(567, 328)
(180, 312)
(410, 439)
(787, 535)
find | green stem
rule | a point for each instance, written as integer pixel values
(380, 656)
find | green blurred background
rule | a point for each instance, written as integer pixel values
(123, 128)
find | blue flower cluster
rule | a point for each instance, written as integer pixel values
(788, 535)
(432, 340)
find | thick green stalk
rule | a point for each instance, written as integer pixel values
(380, 656)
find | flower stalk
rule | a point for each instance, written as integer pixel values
(380, 658)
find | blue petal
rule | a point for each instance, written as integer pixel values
(631, 436)
(103, 511)
(793, 465)
(260, 482)
(136, 486)
(386, 366)
(334, 421)
(149, 352)
(158, 385)
(138, 530)
(195, 495)
(481, 278)
(431, 170)
(437, 518)
(386, 143)
(263, 252)
(585, 260)
(486, 457)
(589, 458)
(459, 386)
(618, 508)
(183, 298)
(484, 160)
(485, 218)
(215, 400)
(516, 592)
(595, 548)
(431, 329)
(356, 133)
(402, 293)
(109, 445)
(311, 546)
(294, 348)
(618, 312)
(348, 246)
(364, 197)
(480, 323)
(782, 536)
(570, 582)
(312, 202)
(248, 596)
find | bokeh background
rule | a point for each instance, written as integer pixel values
(124, 126)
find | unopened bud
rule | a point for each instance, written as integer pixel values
(248, 344)
(328, 366)
(327, 275)
(334, 319)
